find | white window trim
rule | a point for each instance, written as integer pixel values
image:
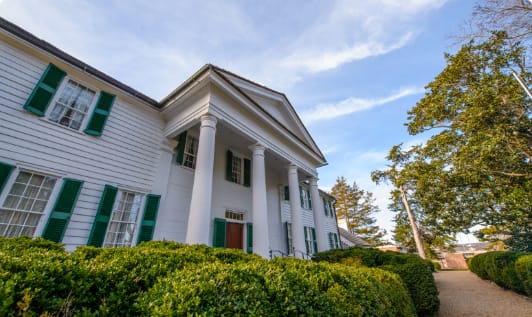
(237, 212)
(53, 195)
(241, 157)
(57, 95)
(309, 239)
(140, 214)
(306, 198)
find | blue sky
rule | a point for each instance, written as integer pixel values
(351, 69)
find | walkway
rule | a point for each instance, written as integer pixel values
(462, 293)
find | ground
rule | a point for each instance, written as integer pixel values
(462, 293)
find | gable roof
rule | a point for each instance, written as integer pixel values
(301, 133)
(47, 47)
(352, 238)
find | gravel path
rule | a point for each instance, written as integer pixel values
(462, 293)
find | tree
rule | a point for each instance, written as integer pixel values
(357, 207)
(511, 16)
(476, 168)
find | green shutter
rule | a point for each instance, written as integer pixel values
(250, 237)
(306, 240)
(301, 197)
(336, 244)
(325, 206)
(180, 150)
(229, 167)
(101, 220)
(314, 239)
(331, 242)
(44, 91)
(218, 235)
(64, 204)
(247, 173)
(100, 113)
(286, 193)
(287, 229)
(5, 172)
(309, 199)
(331, 206)
(147, 226)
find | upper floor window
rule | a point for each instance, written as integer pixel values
(187, 150)
(70, 101)
(71, 108)
(329, 208)
(305, 198)
(191, 151)
(25, 203)
(238, 169)
(123, 219)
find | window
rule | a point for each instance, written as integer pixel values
(310, 240)
(334, 243)
(25, 203)
(191, 150)
(289, 241)
(72, 106)
(123, 219)
(329, 208)
(233, 215)
(305, 198)
(238, 169)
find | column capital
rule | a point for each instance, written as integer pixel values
(257, 148)
(292, 168)
(313, 181)
(208, 120)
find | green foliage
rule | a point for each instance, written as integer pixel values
(415, 273)
(166, 278)
(357, 207)
(505, 268)
(279, 287)
(476, 166)
(523, 268)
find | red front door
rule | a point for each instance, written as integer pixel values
(234, 236)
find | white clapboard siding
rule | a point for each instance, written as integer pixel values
(126, 155)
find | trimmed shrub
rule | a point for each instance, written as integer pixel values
(165, 278)
(502, 268)
(523, 268)
(281, 287)
(415, 273)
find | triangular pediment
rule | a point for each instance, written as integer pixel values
(276, 105)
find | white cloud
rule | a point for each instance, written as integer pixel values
(351, 105)
(322, 61)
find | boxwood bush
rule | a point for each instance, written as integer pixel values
(415, 273)
(38, 277)
(511, 270)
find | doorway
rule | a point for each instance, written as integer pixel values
(234, 235)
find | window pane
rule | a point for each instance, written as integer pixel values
(21, 210)
(72, 106)
(123, 220)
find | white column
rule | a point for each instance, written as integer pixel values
(261, 238)
(298, 234)
(319, 215)
(199, 218)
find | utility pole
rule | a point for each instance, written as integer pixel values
(415, 231)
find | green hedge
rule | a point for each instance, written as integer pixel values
(511, 270)
(38, 277)
(415, 272)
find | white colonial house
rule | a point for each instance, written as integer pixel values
(87, 160)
